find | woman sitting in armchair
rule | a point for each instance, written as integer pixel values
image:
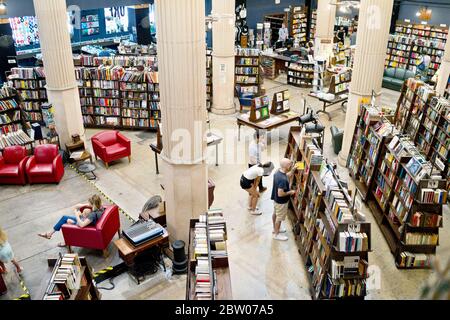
(89, 216)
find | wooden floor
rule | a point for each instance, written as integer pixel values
(260, 267)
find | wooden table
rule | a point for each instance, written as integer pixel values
(128, 252)
(329, 103)
(268, 124)
(85, 156)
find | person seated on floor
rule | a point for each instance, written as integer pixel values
(89, 216)
(6, 254)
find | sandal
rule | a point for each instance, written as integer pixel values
(44, 235)
(62, 245)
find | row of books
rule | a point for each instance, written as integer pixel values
(340, 288)
(7, 92)
(34, 95)
(18, 137)
(246, 52)
(6, 119)
(7, 128)
(28, 73)
(426, 219)
(353, 242)
(203, 268)
(350, 266)
(438, 196)
(28, 84)
(247, 70)
(417, 238)
(8, 105)
(410, 260)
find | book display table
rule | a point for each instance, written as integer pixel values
(269, 124)
(342, 99)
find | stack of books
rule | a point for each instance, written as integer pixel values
(203, 281)
(65, 279)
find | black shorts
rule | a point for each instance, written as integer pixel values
(245, 183)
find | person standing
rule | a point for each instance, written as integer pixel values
(280, 196)
(283, 33)
(6, 254)
(257, 146)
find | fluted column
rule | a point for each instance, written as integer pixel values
(56, 50)
(180, 27)
(326, 15)
(444, 69)
(223, 56)
(368, 68)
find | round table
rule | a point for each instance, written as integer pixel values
(86, 168)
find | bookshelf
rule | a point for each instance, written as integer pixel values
(30, 85)
(410, 41)
(319, 75)
(209, 79)
(301, 74)
(118, 97)
(299, 21)
(340, 82)
(371, 133)
(208, 270)
(327, 223)
(247, 75)
(407, 203)
(10, 112)
(71, 279)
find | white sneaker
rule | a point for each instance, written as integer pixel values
(280, 237)
(250, 209)
(257, 212)
(282, 230)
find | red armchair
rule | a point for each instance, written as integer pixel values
(94, 237)
(12, 165)
(110, 146)
(46, 165)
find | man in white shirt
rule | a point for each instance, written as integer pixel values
(257, 146)
(283, 33)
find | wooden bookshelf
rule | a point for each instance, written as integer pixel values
(209, 229)
(209, 79)
(322, 213)
(30, 85)
(81, 285)
(301, 74)
(313, 23)
(299, 20)
(370, 134)
(247, 70)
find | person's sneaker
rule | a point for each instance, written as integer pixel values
(261, 190)
(282, 230)
(250, 209)
(280, 237)
(256, 212)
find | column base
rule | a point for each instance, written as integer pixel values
(223, 110)
(342, 159)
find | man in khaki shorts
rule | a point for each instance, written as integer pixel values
(280, 197)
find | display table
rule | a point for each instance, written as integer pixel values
(128, 252)
(268, 124)
(342, 99)
(280, 63)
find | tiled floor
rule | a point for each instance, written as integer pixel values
(260, 267)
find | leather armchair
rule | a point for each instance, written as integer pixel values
(46, 165)
(94, 237)
(110, 146)
(12, 165)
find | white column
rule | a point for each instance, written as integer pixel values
(326, 15)
(56, 50)
(368, 68)
(180, 26)
(223, 56)
(444, 69)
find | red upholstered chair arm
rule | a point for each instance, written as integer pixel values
(124, 140)
(2, 161)
(110, 225)
(87, 237)
(22, 165)
(99, 148)
(57, 163)
(30, 163)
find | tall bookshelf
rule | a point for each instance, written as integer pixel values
(117, 97)
(247, 70)
(208, 275)
(10, 115)
(411, 41)
(301, 74)
(371, 133)
(405, 192)
(333, 240)
(71, 279)
(299, 20)
(30, 85)
(312, 29)
(209, 83)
